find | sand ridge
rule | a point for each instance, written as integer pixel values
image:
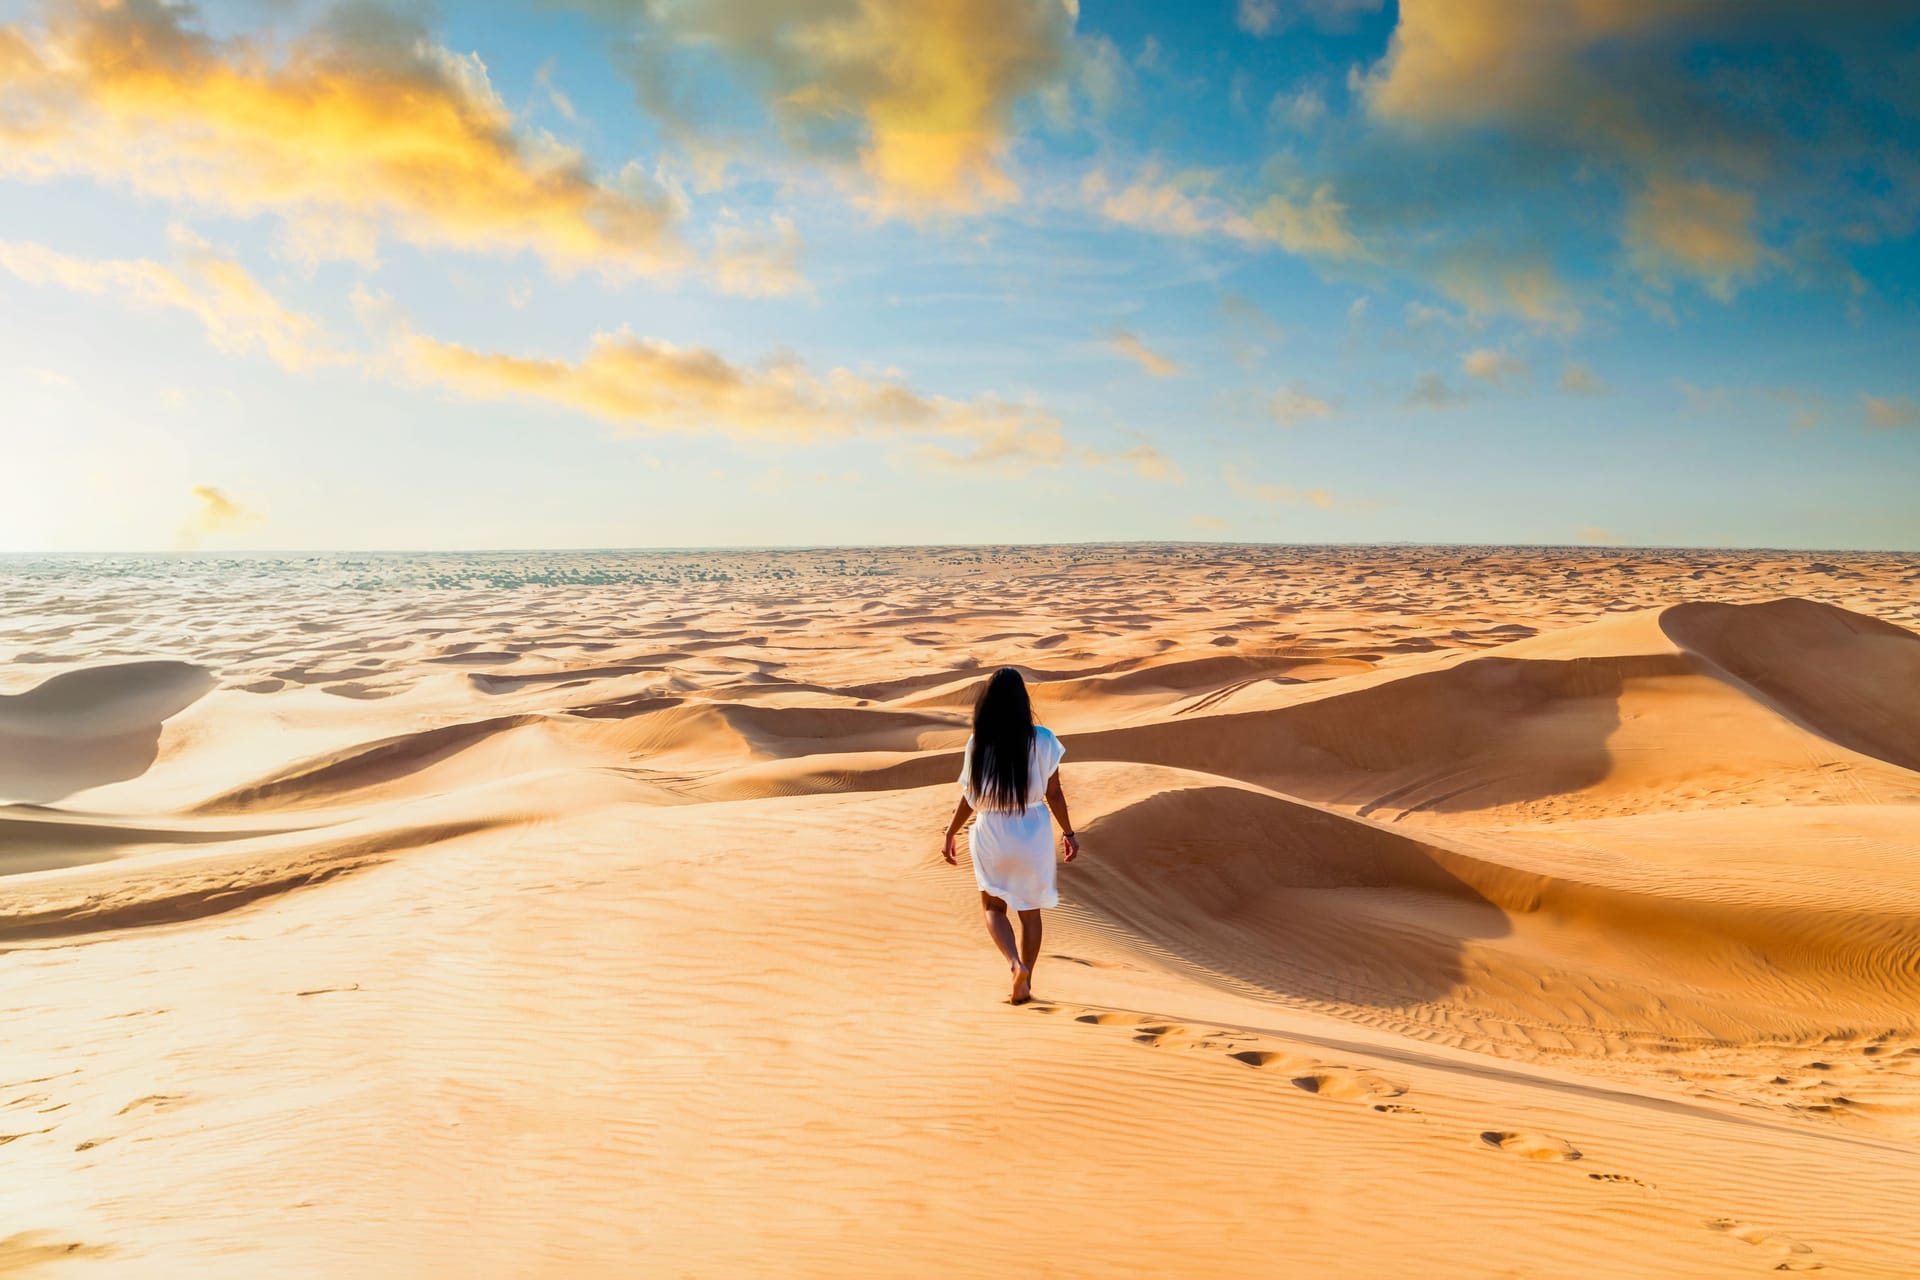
(525, 911)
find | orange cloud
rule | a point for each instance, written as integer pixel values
(1164, 207)
(1884, 413)
(1128, 344)
(1314, 227)
(1307, 223)
(237, 311)
(1279, 494)
(1147, 462)
(1465, 62)
(1490, 364)
(1695, 229)
(1609, 85)
(213, 513)
(645, 384)
(657, 386)
(364, 128)
(929, 85)
(1488, 283)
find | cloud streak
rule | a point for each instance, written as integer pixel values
(1307, 220)
(1130, 345)
(646, 385)
(1279, 494)
(1885, 413)
(236, 310)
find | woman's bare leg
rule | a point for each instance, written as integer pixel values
(1001, 929)
(1029, 942)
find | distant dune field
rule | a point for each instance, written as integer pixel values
(1447, 912)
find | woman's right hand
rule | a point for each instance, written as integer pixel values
(1071, 843)
(947, 851)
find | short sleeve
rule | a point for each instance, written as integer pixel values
(1056, 751)
(966, 766)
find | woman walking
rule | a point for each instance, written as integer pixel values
(1009, 778)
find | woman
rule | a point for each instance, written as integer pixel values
(1009, 777)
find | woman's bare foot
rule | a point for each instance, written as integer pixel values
(1022, 984)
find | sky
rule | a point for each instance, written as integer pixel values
(286, 274)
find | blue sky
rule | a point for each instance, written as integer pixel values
(645, 272)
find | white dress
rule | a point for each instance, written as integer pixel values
(1013, 850)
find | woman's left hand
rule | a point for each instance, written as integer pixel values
(947, 851)
(1071, 844)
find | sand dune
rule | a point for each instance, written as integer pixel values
(90, 726)
(1847, 677)
(1569, 735)
(1546, 912)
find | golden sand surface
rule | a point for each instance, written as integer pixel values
(1442, 912)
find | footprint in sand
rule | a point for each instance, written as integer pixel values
(1269, 1058)
(1347, 1084)
(1186, 1039)
(1530, 1146)
(1115, 1019)
(1091, 964)
(1325, 1080)
(1622, 1179)
(1796, 1256)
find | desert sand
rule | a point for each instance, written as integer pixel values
(1443, 912)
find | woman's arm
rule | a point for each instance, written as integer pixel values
(961, 812)
(1057, 802)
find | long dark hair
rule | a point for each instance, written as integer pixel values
(1002, 741)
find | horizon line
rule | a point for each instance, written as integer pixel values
(186, 553)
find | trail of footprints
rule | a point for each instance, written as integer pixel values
(1381, 1093)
